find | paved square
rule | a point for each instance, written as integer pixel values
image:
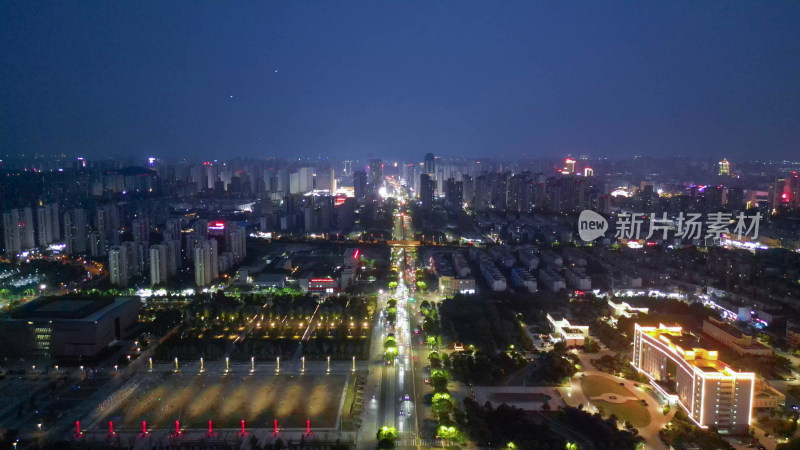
(227, 399)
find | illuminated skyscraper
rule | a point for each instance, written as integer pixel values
(569, 166)
(724, 167)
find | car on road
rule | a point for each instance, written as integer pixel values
(407, 397)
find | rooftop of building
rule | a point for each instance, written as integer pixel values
(67, 308)
(726, 327)
(632, 302)
(744, 340)
(689, 348)
(561, 317)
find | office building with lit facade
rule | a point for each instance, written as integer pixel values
(712, 393)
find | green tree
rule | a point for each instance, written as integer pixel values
(386, 437)
(448, 433)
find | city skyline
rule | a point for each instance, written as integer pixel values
(427, 225)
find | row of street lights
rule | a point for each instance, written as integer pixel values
(252, 365)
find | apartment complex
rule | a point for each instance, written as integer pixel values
(711, 392)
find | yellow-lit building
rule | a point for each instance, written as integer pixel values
(711, 392)
(724, 167)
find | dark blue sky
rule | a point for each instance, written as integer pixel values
(389, 78)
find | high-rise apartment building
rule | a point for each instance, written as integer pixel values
(360, 185)
(140, 228)
(325, 179)
(454, 194)
(48, 224)
(137, 256)
(173, 256)
(236, 242)
(75, 231)
(430, 163)
(206, 267)
(426, 190)
(96, 243)
(301, 181)
(710, 391)
(18, 230)
(375, 176)
(158, 264)
(118, 265)
(483, 193)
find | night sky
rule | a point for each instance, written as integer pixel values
(399, 79)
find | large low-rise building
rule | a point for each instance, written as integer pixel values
(67, 328)
(732, 337)
(567, 331)
(711, 392)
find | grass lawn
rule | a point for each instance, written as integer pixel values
(348, 409)
(633, 410)
(594, 385)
